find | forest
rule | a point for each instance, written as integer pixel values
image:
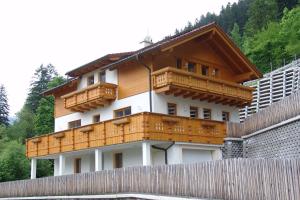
(267, 31)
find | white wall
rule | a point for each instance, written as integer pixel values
(183, 107)
(196, 155)
(87, 164)
(111, 77)
(139, 103)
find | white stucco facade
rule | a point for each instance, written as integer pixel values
(135, 155)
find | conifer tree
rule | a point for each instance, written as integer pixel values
(4, 107)
(42, 76)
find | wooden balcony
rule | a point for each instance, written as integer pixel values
(174, 81)
(91, 97)
(133, 128)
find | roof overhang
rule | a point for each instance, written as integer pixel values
(96, 64)
(60, 89)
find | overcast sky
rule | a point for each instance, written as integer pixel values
(70, 33)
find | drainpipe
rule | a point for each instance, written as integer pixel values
(150, 81)
(165, 150)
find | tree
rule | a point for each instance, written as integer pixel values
(236, 36)
(260, 13)
(4, 107)
(13, 163)
(290, 30)
(42, 76)
(23, 126)
(44, 117)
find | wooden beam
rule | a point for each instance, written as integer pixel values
(171, 91)
(180, 92)
(214, 99)
(189, 94)
(221, 50)
(162, 89)
(243, 77)
(205, 97)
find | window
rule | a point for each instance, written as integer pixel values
(178, 63)
(77, 165)
(206, 113)
(191, 67)
(225, 116)
(215, 72)
(96, 118)
(102, 77)
(122, 112)
(74, 124)
(204, 70)
(172, 109)
(193, 112)
(118, 160)
(90, 80)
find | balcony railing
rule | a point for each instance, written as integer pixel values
(91, 97)
(182, 83)
(137, 127)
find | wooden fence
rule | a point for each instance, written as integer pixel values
(234, 179)
(285, 109)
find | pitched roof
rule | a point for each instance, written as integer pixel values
(107, 59)
(178, 39)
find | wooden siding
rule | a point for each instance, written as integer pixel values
(137, 127)
(132, 80)
(59, 108)
(90, 97)
(182, 83)
(230, 179)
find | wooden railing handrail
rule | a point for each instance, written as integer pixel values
(180, 71)
(115, 119)
(138, 127)
(101, 84)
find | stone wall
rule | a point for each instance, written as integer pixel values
(282, 141)
(233, 148)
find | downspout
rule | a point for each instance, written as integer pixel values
(150, 80)
(165, 150)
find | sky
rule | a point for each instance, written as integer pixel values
(70, 33)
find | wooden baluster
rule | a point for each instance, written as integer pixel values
(104, 132)
(73, 139)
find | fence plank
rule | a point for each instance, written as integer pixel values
(224, 179)
(285, 109)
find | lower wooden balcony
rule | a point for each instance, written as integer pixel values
(170, 80)
(133, 128)
(91, 97)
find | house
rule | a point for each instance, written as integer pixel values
(166, 103)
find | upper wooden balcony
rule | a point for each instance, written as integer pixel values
(133, 128)
(90, 97)
(187, 84)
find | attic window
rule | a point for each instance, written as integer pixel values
(90, 80)
(215, 72)
(191, 67)
(178, 63)
(102, 77)
(204, 70)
